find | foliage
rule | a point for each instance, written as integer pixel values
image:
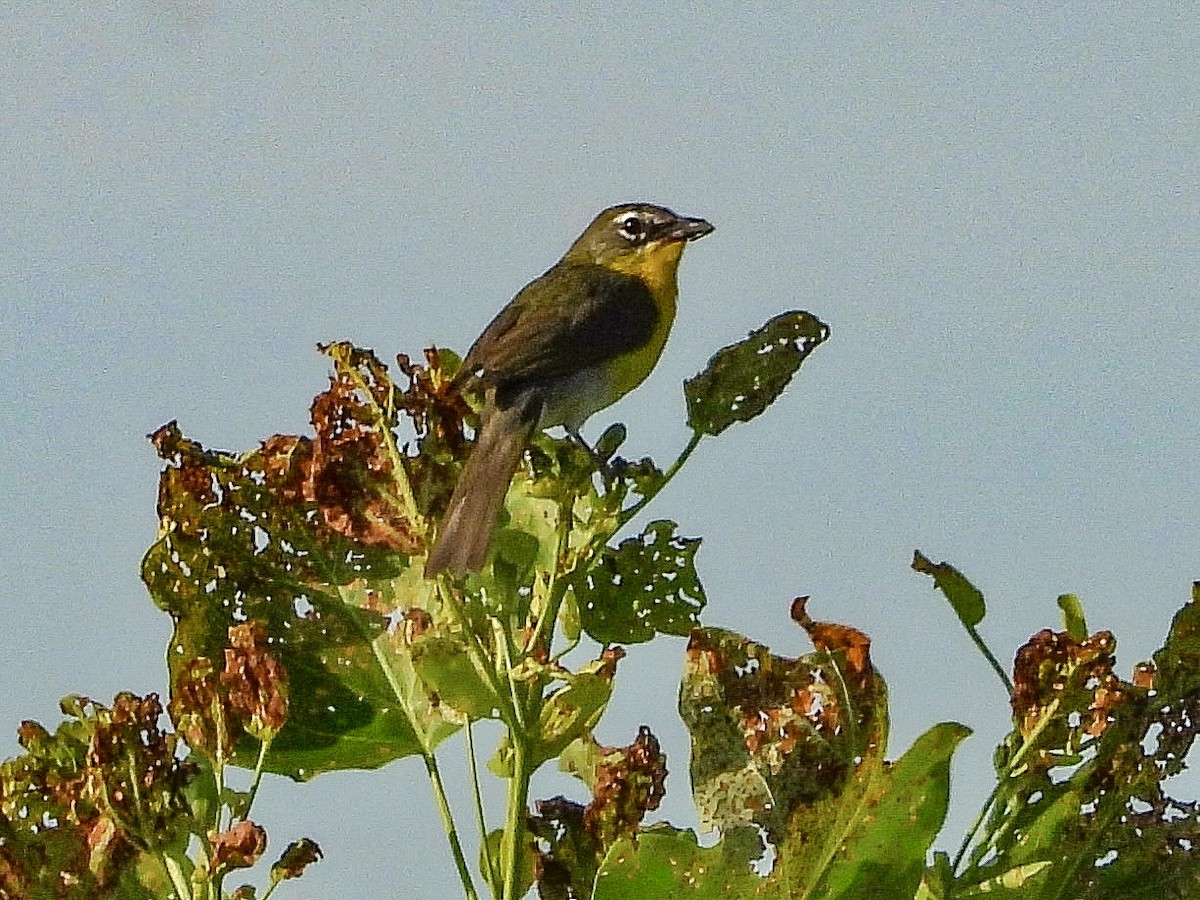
(1081, 807)
(107, 806)
(306, 640)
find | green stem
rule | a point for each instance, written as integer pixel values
(216, 882)
(1009, 771)
(256, 780)
(435, 778)
(443, 804)
(514, 688)
(514, 825)
(987, 654)
(179, 881)
(975, 826)
(527, 711)
(219, 761)
(489, 864)
(632, 511)
(571, 645)
(543, 634)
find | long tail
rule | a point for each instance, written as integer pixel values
(470, 520)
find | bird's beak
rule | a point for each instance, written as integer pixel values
(684, 229)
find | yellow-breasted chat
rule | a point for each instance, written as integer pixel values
(570, 343)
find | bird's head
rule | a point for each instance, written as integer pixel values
(638, 238)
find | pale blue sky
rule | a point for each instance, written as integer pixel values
(995, 206)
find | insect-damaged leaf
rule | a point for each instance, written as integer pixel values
(770, 733)
(82, 809)
(743, 379)
(626, 783)
(312, 539)
(791, 752)
(1085, 770)
(298, 856)
(646, 585)
(869, 841)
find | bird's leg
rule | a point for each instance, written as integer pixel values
(605, 449)
(597, 460)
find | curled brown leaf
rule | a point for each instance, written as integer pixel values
(200, 709)
(298, 856)
(256, 681)
(239, 847)
(1055, 674)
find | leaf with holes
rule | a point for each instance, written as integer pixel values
(788, 764)
(743, 379)
(645, 586)
(312, 538)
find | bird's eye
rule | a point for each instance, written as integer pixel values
(633, 228)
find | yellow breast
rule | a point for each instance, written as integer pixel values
(657, 265)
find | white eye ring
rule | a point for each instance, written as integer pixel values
(632, 227)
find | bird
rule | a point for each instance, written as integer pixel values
(570, 343)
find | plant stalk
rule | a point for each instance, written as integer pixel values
(514, 825)
(439, 792)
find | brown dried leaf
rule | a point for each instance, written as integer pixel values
(627, 782)
(852, 644)
(352, 476)
(298, 856)
(257, 683)
(438, 412)
(432, 401)
(200, 710)
(630, 782)
(237, 848)
(1054, 670)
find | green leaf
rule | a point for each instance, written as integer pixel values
(569, 713)
(1074, 621)
(964, 597)
(444, 665)
(645, 586)
(610, 441)
(669, 864)
(560, 477)
(312, 538)
(900, 809)
(743, 379)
